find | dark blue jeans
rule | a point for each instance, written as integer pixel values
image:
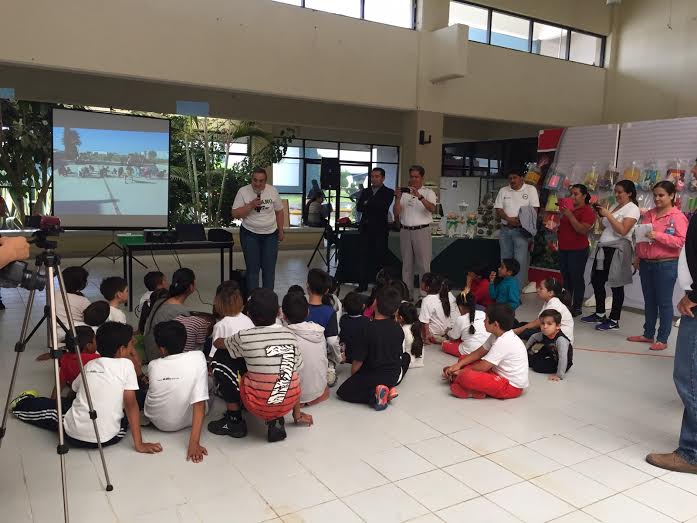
(657, 282)
(260, 253)
(573, 268)
(685, 378)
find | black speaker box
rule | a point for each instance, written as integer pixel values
(219, 235)
(330, 174)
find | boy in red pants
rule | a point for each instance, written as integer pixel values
(499, 368)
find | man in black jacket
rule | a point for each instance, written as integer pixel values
(684, 459)
(373, 204)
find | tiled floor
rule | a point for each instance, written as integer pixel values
(568, 452)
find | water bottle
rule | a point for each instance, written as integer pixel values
(671, 228)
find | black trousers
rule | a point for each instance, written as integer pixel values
(227, 372)
(42, 413)
(599, 279)
(573, 267)
(544, 361)
(360, 388)
(373, 254)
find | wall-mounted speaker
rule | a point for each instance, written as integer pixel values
(330, 174)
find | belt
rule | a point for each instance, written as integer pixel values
(511, 226)
(415, 227)
(660, 260)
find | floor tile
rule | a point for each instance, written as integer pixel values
(621, 509)
(442, 451)
(293, 493)
(573, 487)
(530, 503)
(335, 511)
(427, 518)
(562, 450)
(612, 473)
(575, 517)
(686, 482)
(668, 499)
(349, 476)
(436, 490)
(483, 440)
(386, 504)
(479, 510)
(635, 456)
(399, 463)
(482, 475)
(248, 506)
(524, 462)
(597, 439)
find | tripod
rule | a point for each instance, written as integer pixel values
(51, 261)
(113, 259)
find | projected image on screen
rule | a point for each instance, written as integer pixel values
(110, 170)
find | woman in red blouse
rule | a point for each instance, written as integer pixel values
(572, 237)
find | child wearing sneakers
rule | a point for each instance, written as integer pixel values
(499, 368)
(353, 324)
(379, 362)
(115, 291)
(260, 369)
(550, 351)
(503, 285)
(318, 284)
(178, 392)
(313, 347)
(113, 385)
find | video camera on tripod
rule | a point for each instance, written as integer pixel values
(18, 274)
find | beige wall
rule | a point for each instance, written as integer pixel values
(653, 70)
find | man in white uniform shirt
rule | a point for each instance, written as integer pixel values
(513, 241)
(414, 211)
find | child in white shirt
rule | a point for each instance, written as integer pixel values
(153, 280)
(554, 296)
(228, 305)
(499, 368)
(408, 318)
(438, 308)
(468, 332)
(75, 280)
(115, 291)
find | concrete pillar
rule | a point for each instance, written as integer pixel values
(429, 155)
(432, 14)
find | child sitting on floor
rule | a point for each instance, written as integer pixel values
(75, 280)
(554, 297)
(69, 364)
(468, 332)
(115, 291)
(499, 368)
(97, 314)
(479, 286)
(260, 369)
(408, 318)
(318, 284)
(438, 308)
(550, 351)
(178, 392)
(503, 286)
(379, 363)
(153, 280)
(313, 347)
(113, 384)
(353, 324)
(228, 306)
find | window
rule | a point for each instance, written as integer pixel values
(586, 49)
(514, 31)
(340, 7)
(399, 13)
(319, 150)
(352, 152)
(390, 12)
(477, 18)
(549, 40)
(509, 31)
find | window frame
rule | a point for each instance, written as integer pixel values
(533, 20)
(362, 14)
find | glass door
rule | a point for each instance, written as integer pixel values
(354, 176)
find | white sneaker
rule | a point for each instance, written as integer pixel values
(331, 375)
(529, 288)
(677, 322)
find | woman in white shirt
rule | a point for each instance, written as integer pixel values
(259, 207)
(619, 224)
(555, 297)
(468, 332)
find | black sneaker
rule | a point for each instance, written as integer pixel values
(229, 425)
(594, 318)
(576, 312)
(276, 430)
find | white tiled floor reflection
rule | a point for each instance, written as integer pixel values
(569, 452)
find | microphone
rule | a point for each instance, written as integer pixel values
(258, 209)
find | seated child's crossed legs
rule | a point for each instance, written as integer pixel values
(471, 383)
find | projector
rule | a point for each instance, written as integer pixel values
(159, 236)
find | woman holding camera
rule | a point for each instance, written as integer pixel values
(657, 261)
(576, 222)
(613, 256)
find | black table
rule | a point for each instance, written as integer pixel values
(129, 249)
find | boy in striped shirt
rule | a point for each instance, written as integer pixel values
(260, 369)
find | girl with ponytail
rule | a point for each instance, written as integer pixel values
(438, 308)
(555, 297)
(408, 318)
(468, 332)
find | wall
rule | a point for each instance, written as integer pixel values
(652, 72)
